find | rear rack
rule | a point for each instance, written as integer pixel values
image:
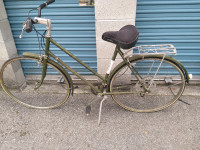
(164, 49)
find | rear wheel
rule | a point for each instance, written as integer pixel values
(20, 84)
(163, 89)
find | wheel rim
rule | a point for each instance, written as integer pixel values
(43, 98)
(150, 102)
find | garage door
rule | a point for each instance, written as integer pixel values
(172, 21)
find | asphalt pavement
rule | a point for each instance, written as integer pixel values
(69, 128)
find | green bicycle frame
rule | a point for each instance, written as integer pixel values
(104, 79)
(49, 53)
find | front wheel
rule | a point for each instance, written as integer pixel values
(164, 80)
(19, 79)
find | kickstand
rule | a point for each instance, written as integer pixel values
(100, 108)
(184, 101)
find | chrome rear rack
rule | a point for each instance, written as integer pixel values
(164, 49)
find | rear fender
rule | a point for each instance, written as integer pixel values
(173, 60)
(180, 66)
(169, 58)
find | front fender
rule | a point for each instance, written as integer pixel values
(58, 66)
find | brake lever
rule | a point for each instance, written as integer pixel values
(22, 33)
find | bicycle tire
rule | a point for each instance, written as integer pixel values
(22, 87)
(167, 87)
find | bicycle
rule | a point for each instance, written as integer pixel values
(147, 80)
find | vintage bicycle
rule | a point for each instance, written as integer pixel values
(146, 80)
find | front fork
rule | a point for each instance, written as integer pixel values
(43, 60)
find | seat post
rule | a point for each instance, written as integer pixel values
(117, 49)
(112, 61)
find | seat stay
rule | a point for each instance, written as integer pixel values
(151, 82)
(133, 70)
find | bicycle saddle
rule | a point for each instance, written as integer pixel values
(126, 37)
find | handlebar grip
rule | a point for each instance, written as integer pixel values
(50, 1)
(40, 8)
(39, 12)
(44, 5)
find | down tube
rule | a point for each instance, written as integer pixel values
(73, 71)
(75, 58)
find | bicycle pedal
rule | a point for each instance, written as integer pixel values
(88, 110)
(61, 80)
(168, 80)
(76, 86)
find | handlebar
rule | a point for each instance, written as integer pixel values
(27, 26)
(43, 6)
(50, 1)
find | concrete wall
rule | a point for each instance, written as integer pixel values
(8, 48)
(111, 15)
(7, 44)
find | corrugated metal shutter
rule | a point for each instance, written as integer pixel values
(73, 28)
(172, 21)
